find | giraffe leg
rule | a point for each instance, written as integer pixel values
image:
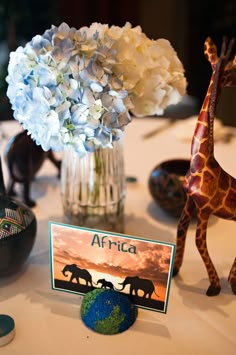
(232, 277)
(214, 288)
(181, 234)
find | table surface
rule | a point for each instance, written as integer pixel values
(48, 321)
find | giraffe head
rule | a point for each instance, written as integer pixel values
(223, 67)
(210, 51)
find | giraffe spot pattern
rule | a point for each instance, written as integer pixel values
(201, 132)
(203, 147)
(209, 183)
(207, 210)
(230, 200)
(223, 181)
(200, 200)
(198, 165)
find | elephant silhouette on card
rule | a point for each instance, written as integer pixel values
(105, 284)
(77, 273)
(136, 283)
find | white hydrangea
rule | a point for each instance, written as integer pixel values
(150, 70)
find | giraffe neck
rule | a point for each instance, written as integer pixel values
(203, 138)
(222, 69)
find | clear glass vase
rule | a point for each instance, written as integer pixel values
(93, 188)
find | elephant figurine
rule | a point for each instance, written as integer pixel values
(77, 273)
(105, 284)
(24, 158)
(136, 283)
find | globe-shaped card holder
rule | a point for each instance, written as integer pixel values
(107, 311)
(18, 228)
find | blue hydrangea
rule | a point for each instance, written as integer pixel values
(63, 90)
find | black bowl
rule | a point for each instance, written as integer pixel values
(166, 185)
(17, 235)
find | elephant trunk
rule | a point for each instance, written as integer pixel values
(123, 284)
(64, 271)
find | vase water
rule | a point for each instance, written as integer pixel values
(93, 188)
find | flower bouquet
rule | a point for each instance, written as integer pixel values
(73, 91)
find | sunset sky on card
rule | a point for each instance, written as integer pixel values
(73, 246)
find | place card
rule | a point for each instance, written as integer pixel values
(83, 259)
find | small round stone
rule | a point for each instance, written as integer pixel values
(7, 329)
(107, 311)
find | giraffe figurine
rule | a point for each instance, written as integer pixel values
(209, 189)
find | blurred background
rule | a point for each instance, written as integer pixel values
(186, 24)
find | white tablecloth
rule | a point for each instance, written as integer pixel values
(48, 321)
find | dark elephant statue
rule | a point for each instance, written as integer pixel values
(136, 283)
(77, 273)
(105, 284)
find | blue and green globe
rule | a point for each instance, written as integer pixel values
(107, 311)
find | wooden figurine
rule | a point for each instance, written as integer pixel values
(24, 159)
(210, 189)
